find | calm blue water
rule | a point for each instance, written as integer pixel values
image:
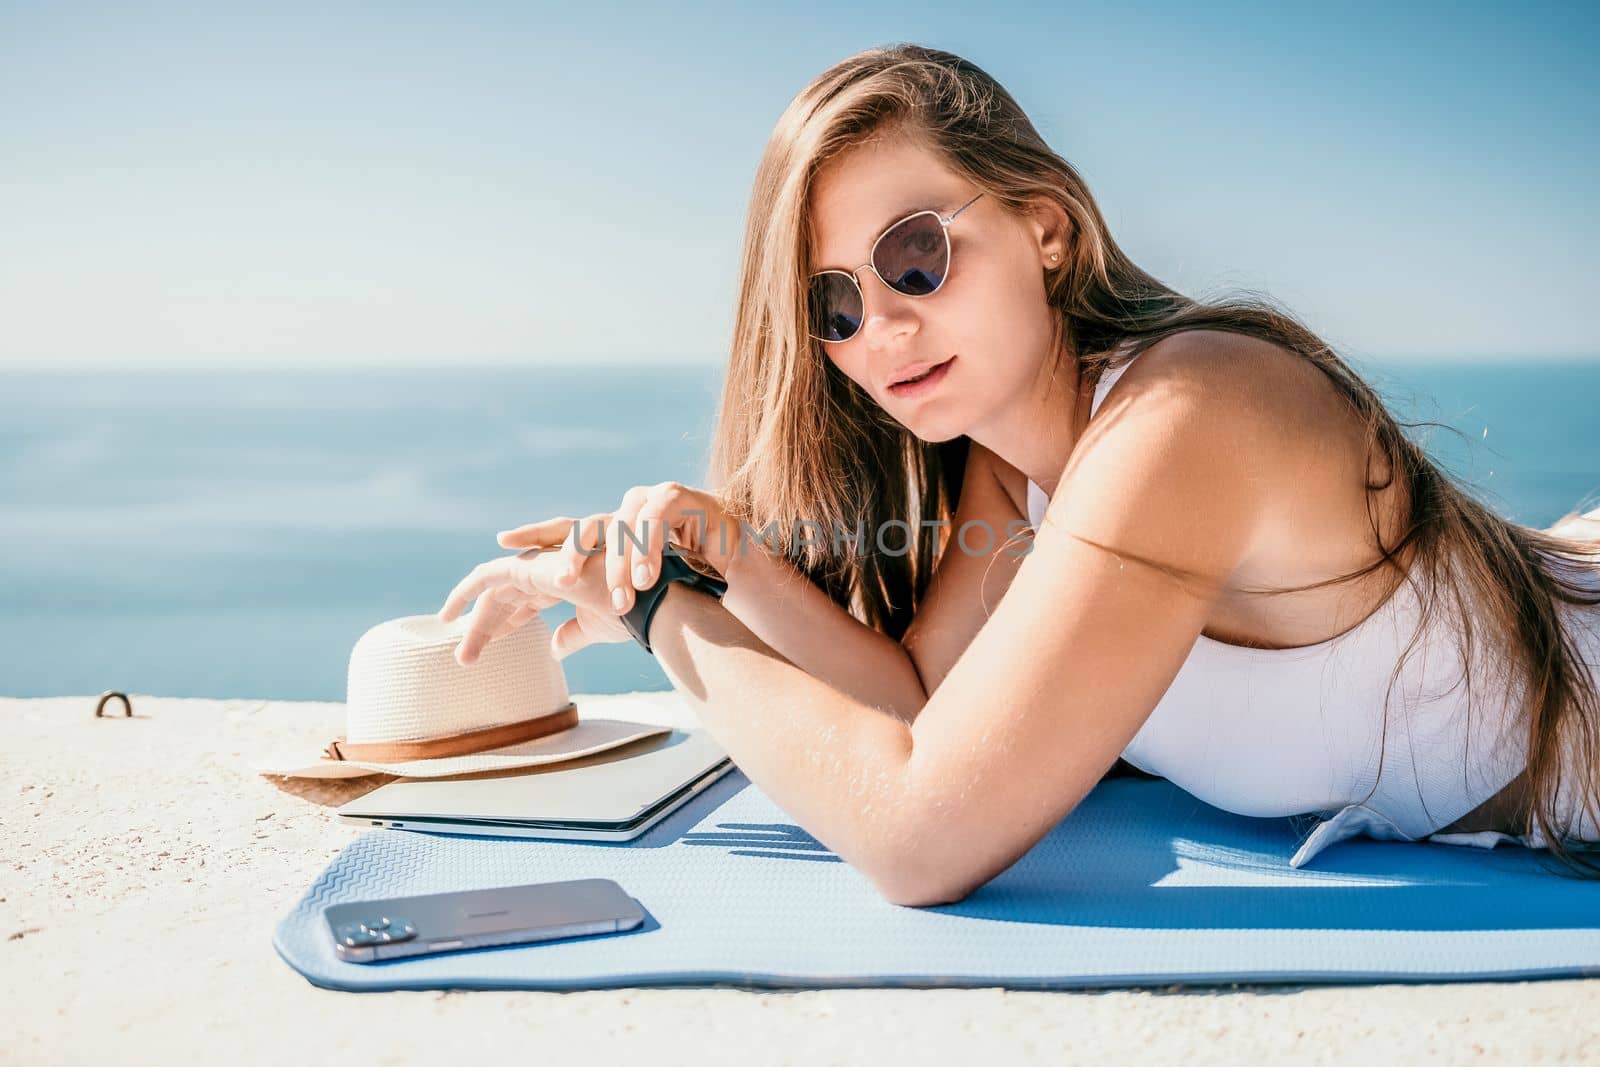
(231, 534)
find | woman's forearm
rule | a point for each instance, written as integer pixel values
(801, 623)
(833, 764)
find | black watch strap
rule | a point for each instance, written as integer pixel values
(645, 601)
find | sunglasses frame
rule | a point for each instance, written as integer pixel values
(872, 255)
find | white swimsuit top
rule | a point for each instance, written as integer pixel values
(1273, 732)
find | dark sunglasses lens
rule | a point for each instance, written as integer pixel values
(835, 306)
(913, 257)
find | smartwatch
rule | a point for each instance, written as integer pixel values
(645, 601)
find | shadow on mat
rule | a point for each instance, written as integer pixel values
(1147, 855)
(774, 840)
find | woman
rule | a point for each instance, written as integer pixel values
(1244, 577)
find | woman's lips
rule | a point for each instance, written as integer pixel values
(930, 379)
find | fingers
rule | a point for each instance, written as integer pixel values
(633, 539)
(467, 590)
(656, 520)
(500, 611)
(486, 621)
(518, 618)
(626, 540)
(585, 539)
(544, 534)
(567, 639)
(587, 627)
(573, 635)
(506, 575)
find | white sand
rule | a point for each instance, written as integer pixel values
(147, 865)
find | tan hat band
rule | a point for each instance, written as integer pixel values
(510, 733)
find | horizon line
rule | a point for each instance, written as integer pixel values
(642, 363)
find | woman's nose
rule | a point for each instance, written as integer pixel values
(886, 314)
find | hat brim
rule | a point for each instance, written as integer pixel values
(587, 737)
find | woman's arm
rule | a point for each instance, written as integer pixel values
(802, 623)
(831, 762)
(789, 614)
(1175, 475)
(774, 599)
(967, 585)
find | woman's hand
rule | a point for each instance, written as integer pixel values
(509, 590)
(649, 516)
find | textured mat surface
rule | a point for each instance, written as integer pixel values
(1141, 885)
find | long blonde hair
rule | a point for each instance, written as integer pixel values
(798, 442)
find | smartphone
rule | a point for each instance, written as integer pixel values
(371, 930)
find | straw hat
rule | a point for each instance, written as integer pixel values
(412, 710)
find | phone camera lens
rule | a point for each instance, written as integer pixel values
(376, 931)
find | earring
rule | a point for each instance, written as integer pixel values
(1054, 256)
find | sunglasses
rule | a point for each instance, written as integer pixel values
(912, 257)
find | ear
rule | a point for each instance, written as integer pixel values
(1051, 229)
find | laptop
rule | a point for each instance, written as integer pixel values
(614, 795)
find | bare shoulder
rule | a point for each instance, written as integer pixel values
(1256, 407)
(1208, 404)
(1229, 376)
(1199, 446)
(1212, 436)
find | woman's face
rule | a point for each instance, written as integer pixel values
(989, 319)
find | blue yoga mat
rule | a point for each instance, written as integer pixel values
(1141, 885)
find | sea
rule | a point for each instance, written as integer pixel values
(232, 533)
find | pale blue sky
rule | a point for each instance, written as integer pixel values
(401, 184)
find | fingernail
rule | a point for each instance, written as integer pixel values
(565, 575)
(641, 575)
(618, 598)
